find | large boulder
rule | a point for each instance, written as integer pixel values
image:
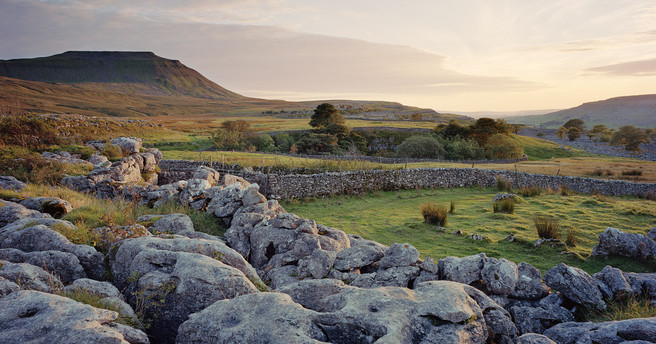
(208, 174)
(529, 284)
(254, 318)
(6, 286)
(30, 235)
(575, 284)
(499, 276)
(399, 255)
(170, 224)
(358, 256)
(612, 282)
(615, 242)
(36, 317)
(28, 276)
(534, 338)
(173, 278)
(629, 331)
(11, 212)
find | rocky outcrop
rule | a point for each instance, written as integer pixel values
(615, 242)
(36, 317)
(11, 183)
(575, 284)
(625, 331)
(54, 206)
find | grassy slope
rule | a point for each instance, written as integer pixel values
(390, 217)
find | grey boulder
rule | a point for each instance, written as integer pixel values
(575, 284)
(171, 223)
(464, 270)
(499, 275)
(641, 329)
(11, 183)
(62, 264)
(399, 255)
(615, 242)
(54, 206)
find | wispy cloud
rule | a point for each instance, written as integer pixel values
(610, 42)
(631, 68)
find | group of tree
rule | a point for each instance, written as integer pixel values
(628, 136)
(487, 138)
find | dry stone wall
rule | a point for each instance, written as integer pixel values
(283, 186)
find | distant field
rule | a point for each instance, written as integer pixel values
(394, 216)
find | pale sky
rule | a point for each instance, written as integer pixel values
(448, 55)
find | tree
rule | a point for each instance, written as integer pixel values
(598, 131)
(483, 129)
(420, 146)
(573, 133)
(501, 146)
(575, 123)
(326, 115)
(452, 129)
(562, 131)
(630, 137)
(651, 134)
(316, 143)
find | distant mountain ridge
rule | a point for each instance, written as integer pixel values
(638, 110)
(129, 72)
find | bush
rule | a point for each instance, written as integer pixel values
(501, 146)
(503, 185)
(316, 144)
(420, 147)
(547, 227)
(434, 214)
(530, 191)
(506, 206)
(262, 143)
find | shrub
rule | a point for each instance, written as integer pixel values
(503, 185)
(420, 147)
(506, 206)
(112, 152)
(530, 191)
(547, 227)
(434, 214)
(501, 146)
(632, 173)
(572, 238)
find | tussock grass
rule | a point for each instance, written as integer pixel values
(548, 227)
(630, 307)
(530, 191)
(434, 214)
(506, 206)
(503, 185)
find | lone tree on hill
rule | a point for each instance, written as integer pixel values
(573, 133)
(325, 116)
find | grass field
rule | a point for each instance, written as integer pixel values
(394, 216)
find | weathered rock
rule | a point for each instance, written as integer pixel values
(103, 289)
(464, 270)
(54, 206)
(149, 162)
(575, 284)
(267, 241)
(112, 234)
(534, 338)
(538, 319)
(62, 264)
(477, 237)
(6, 286)
(208, 174)
(65, 157)
(98, 160)
(11, 183)
(253, 318)
(358, 256)
(194, 191)
(78, 183)
(431, 265)
(399, 255)
(124, 171)
(310, 293)
(425, 276)
(615, 242)
(529, 285)
(171, 223)
(35, 317)
(402, 276)
(229, 179)
(317, 265)
(642, 282)
(30, 236)
(129, 145)
(29, 276)
(499, 276)
(226, 202)
(612, 283)
(251, 196)
(11, 212)
(502, 195)
(282, 276)
(605, 332)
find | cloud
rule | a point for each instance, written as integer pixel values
(241, 57)
(610, 42)
(631, 68)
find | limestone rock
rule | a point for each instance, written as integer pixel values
(29, 276)
(529, 285)
(615, 242)
(194, 191)
(357, 257)
(464, 270)
(208, 174)
(499, 276)
(534, 338)
(11, 212)
(399, 255)
(6, 286)
(54, 206)
(229, 179)
(317, 265)
(612, 283)
(253, 318)
(11, 183)
(606, 332)
(171, 223)
(62, 264)
(575, 284)
(538, 319)
(130, 145)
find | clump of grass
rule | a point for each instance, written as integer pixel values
(434, 214)
(503, 185)
(564, 190)
(506, 206)
(80, 234)
(112, 152)
(530, 191)
(600, 172)
(452, 207)
(634, 172)
(572, 238)
(631, 307)
(547, 227)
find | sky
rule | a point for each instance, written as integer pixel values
(448, 55)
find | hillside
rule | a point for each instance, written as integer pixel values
(639, 111)
(133, 84)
